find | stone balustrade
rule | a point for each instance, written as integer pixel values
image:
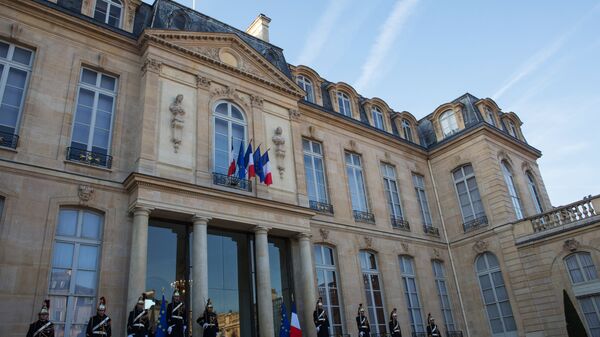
(564, 215)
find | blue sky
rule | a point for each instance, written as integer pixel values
(540, 59)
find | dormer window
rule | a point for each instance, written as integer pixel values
(344, 104)
(307, 86)
(109, 12)
(448, 123)
(377, 116)
(406, 128)
(512, 129)
(489, 116)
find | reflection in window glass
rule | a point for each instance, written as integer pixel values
(328, 286)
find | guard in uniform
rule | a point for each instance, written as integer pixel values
(42, 327)
(321, 320)
(208, 321)
(137, 323)
(176, 317)
(99, 325)
(362, 322)
(394, 324)
(432, 328)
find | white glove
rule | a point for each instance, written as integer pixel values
(184, 328)
(130, 336)
(318, 328)
(205, 326)
(169, 330)
(362, 334)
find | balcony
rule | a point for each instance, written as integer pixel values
(400, 223)
(430, 230)
(363, 216)
(89, 157)
(232, 182)
(474, 224)
(8, 140)
(321, 207)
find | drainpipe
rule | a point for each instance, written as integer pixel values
(437, 201)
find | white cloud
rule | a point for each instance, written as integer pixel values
(388, 33)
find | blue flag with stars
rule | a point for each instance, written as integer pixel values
(161, 328)
(284, 330)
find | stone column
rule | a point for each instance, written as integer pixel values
(199, 270)
(263, 282)
(309, 293)
(138, 255)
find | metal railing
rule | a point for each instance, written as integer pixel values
(232, 181)
(430, 230)
(400, 223)
(8, 140)
(89, 157)
(564, 215)
(363, 216)
(474, 224)
(321, 207)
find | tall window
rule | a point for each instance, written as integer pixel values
(356, 182)
(344, 104)
(307, 86)
(109, 12)
(489, 116)
(582, 272)
(442, 289)
(229, 131)
(314, 172)
(74, 274)
(373, 292)
(448, 123)
(581, 268)
(92, 127)
(535, 196)
(468, 194)
(15, 67)
(392, 194)
(406, 128)
(419, 183)
(512, 129)
(327, 279)
(590, 306)
(407, 268)
(495, 297)
(512, 190)
(377, 116)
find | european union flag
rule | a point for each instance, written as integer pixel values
(284, 330)
(161, 328)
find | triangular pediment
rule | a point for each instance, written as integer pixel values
(228, 51)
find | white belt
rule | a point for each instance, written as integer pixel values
(99, 333)
(139, 324)
(178, 317)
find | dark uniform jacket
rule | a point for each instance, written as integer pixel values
(433, 331)
(212, 328)
(138, 327)
(321, 322)
(363, 326)
(177, 319)
(47, 331)
(101, 325)
(395, 328)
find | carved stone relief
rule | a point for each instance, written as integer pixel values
(571, 245)
(177, 121)
(480, 246)
(279, 142)
(85, 193)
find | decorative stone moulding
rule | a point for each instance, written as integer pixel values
(177, 122)
(280, 150)
(85, 193)
(480, 246)
(324, 233)
(571, 245)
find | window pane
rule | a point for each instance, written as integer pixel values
(4, 49)
(58, 308)
(22, 56)
(88, 257)
(63, 255)
(88, 76)
(221, 109)
(91, 225)
(60, 280)
(67, 223)
(318, 254)
(85, 283)
(84, 309)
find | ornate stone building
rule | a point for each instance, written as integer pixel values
(117, 122)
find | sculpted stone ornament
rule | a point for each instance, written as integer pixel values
(404, 246)
(294, 114)
(151, 65)
(368, 241)
(256, 101)
(230, 93)
(436, 253)
(324, 233)
(480, 246)
(85, 193)
(279, 142)
(571, 245)
(177, 121)
(202, 82)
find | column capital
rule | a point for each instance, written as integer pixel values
(138, 210)
(259, 229)
(199, 219)
(303, 236)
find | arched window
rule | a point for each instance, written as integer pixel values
(179, 20)
(489, 116)
(512, 129)
(581, 267)
(512, 190)
(373, 292)
(468, 196)
(327, 282)
(409, 279)
(535, 196)
(584, 277)
(377, 117)
(495, 296)
(75, 265)
(229, 132)
(407, 129)
(307, 86)
(109, 12)
(448, 123)
(344, 104)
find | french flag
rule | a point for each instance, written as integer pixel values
(249, 159)
(231, 169)
(295, 330)
(257, 160)
(267, 168)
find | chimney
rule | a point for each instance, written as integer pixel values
(260, 27)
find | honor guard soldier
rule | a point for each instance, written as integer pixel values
(432, 328)
(137, 323)
(176, 316)
(362, 322)
(208, 321)
(42, 327)
(99, 325)
(321, 319)
(395, 324)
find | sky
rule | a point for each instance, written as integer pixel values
(538, 58)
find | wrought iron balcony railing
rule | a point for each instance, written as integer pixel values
(564, 215)
(474, 224)
(231, 181)
(430, 230)
(321, 207)
(400, 223)
(89, 157)
(363, 216)
(8, 140)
